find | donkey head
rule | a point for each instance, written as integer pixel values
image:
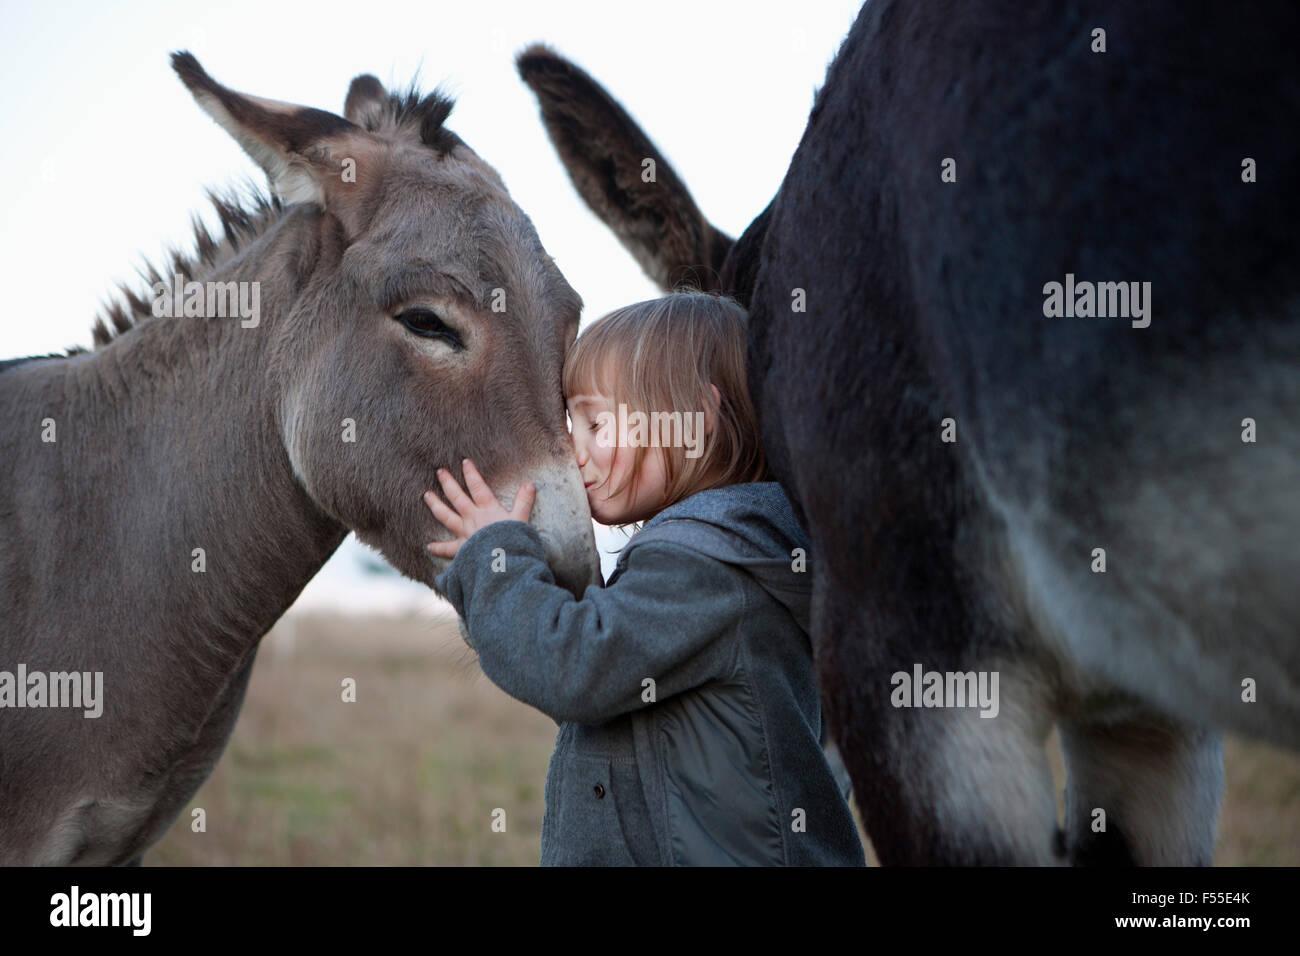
(427, 323)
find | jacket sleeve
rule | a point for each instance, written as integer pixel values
(668, 617)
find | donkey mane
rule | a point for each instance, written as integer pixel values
(243, 217)
(246, 211)
(409, 108)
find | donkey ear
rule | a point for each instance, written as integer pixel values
(605, 154)
(291, 143)
(367, 101)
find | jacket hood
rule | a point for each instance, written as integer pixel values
(751, 525)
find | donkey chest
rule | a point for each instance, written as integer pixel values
(117, 823)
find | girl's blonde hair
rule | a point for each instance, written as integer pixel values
(660, 356)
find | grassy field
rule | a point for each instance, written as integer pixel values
(411, 773)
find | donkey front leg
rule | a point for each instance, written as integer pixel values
(1141, 792)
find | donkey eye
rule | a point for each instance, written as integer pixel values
(427, 323)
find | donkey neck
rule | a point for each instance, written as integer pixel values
(186, 408)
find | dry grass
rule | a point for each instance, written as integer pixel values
(411, 773)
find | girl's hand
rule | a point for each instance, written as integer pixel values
(476, 510)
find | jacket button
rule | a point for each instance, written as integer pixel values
(600, 791)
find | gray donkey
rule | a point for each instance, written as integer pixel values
(167, 495)
(1087, 489)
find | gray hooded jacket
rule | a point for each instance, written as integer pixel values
(690, 724)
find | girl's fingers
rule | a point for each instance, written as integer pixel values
(443, 549)
(444, 514)
(524, 502)
(478, 488)
(451, 488)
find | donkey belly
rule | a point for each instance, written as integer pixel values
(1159, 553)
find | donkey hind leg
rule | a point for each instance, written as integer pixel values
(945, 786)
(1157, 784)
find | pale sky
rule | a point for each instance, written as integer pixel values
(106, 155)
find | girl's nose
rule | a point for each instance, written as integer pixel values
(579, 452)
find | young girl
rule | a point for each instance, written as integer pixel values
(690, 726)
